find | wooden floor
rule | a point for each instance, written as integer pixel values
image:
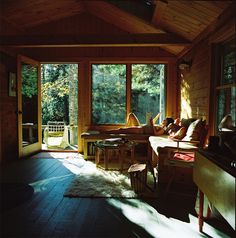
(48, 214)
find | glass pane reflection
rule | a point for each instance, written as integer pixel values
(29, 89)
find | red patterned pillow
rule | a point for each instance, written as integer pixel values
(187, 157)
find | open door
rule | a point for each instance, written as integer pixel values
(29, 106)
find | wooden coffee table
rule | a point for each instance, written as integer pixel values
(116, 147)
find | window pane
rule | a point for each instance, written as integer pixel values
(228, 72)
(226, 96)
(148, 90)
(226, 104)
(221, 106)
(233, 104)
(108, 93)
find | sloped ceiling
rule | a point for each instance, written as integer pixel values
(172, 25)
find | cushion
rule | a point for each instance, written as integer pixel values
(180, 134)
(194, 130)
(172, 128)
(132, 120)
(226, 122)
(186, 122)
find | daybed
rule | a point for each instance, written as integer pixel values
(157, 148)
(163, 148)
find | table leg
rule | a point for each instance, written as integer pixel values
(200, 215)
(106, 158)
(121, 154)
(97, 156)
(85, 149)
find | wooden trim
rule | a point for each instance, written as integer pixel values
(225, 33)
(19, 106)
(226, 86)
(128, 88)
(35, 147)
(158, 12)
(117, 17)
(140, 40)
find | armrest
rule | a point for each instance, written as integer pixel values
(194, 142)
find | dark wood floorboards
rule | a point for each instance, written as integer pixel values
(48, 214)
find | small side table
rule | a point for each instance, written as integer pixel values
(117, 146)
(138, 177)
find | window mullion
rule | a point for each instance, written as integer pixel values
(128, 88)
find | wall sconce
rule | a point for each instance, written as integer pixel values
(185, 64)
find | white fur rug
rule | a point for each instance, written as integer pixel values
(95, 182)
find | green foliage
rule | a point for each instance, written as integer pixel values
(109, 91)
(60, 82)
(147, 89)
(55, 88)
(29, 80)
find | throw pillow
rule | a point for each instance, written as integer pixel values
(194, 131)
(180, 134)
(186, 122)
(172, 128)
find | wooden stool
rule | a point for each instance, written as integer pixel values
(138, 177)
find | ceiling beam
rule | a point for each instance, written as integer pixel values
(160, 7)
(34, 41)
(119, 18)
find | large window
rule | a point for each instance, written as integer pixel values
(226, 86)
(118, 89)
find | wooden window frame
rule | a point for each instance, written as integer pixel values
(218, 84)
(128, 86)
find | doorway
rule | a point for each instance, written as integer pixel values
(59, 101)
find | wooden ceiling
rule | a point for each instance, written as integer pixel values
(171, 25)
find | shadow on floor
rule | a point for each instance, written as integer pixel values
(14, 194)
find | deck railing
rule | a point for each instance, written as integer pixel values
(72, 132)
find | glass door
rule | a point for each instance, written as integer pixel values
(29, 106)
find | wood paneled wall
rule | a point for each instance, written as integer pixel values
(84, 57)
(8, 105)
(195, 83)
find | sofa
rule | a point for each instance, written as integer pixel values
(162, 147)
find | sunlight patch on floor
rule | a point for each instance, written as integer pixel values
(158, 225)
(42, 185)
(57, 155)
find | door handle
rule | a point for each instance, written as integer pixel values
(19, 112)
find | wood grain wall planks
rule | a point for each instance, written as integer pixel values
(8, 107)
